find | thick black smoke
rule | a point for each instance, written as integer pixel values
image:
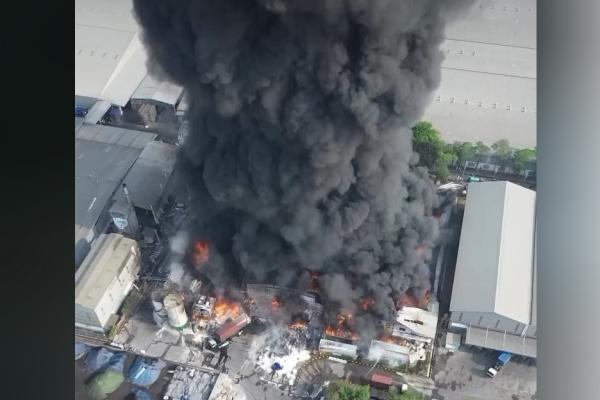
(300, 155)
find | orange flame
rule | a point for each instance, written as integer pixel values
(276, 303)
(366, 303)
(393, 340)
(200, 253)
(299, 324)
(342, 328)
(225, 309)
(409, 299)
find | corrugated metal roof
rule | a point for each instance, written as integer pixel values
(494, 269)
(102, 265)
(515, 344)
(110, 59)
(490, 61)
(427, 324)
(150, 175)
(103, 156)
(159, 91)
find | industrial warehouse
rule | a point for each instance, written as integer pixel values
(289, 240)
(494, 293)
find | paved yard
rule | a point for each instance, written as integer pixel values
(461, 376)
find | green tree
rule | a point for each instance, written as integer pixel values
(522, 157)
(481, 149)
(341, 390)
(410, 394)
(503, 149)
(431, 149)
(428, 144)
(465, 151)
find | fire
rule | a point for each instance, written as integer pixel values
(314, 281)
(409, 299)
(299, 324)
(366, 303)
(276, 304)
(393, 340)
(225, 309)
(342, 327)
(200, 253)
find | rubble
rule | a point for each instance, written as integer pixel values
(278, 353)
(190, 384)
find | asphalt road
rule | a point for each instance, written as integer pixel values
(461, 376)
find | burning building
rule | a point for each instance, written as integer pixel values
(337, 347)
(299, 154)
(282, 304)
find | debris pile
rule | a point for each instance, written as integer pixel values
(190, 384)
(278, 354)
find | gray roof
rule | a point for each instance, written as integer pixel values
(101, 267)
(490, 61)
(110, 58)
(494, 268)
(501, 341)
(161, 91)
(103, 155)
(150, 174)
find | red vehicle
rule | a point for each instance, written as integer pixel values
(232, 328)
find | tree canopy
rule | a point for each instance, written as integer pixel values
(436, 155)
(410, 394)
(502, 148)
(482, 149)
(432, 150)
(341, 390)
(522, 157)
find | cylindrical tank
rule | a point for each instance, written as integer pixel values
(175, 310)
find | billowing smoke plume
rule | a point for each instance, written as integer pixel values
(299, 156)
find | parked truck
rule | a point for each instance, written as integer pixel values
(501, 362)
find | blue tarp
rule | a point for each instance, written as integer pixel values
(81, 350)
(145, 371)
(101, 358)
(276, 366)
(141, 394)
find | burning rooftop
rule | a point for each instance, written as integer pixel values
(304, 161)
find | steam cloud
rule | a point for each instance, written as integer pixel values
(299, 155)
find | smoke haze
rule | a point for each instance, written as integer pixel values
(299, 156)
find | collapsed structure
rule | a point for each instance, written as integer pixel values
(494, 294)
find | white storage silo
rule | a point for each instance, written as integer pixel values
(175, 310)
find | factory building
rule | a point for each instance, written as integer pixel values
(493, 298)
(390, 353)
(103, 281)
(111, 62)
(338, 348)
(416, 324)
(488, 77)
(105, 158)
